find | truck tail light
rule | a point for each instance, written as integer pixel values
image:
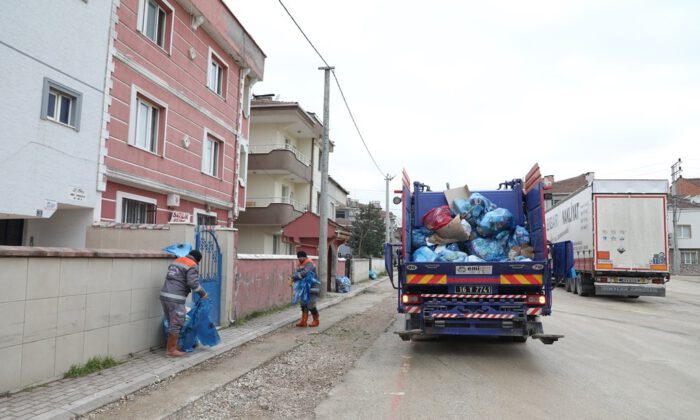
(410, 299)
(536, 300)
(601, 279)
(657, 281)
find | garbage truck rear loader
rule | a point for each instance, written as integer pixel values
(460, 293)
(619, 235)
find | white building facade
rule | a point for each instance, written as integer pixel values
(687, 235)
(53, 58)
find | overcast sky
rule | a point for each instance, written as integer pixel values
(476, 92)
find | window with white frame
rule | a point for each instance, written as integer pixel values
(155, 21)
(61, 104)
(684, 232)
(689, 257)
(242, 164)
(276, 244)
(136, 209)
(216, 79)
(206, 218)
(147, 125)
(211, 156)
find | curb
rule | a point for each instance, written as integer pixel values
(87, 404)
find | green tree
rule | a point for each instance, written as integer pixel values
(367, 232)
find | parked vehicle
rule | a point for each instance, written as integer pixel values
(492, 298)
(619, 235)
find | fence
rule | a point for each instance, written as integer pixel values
(62, 306)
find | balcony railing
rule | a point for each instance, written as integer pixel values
(267, 148)
(266, 201)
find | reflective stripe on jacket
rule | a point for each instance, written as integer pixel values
(183, 276)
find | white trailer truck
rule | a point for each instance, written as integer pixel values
(619, 234)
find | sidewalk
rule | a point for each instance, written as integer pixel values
(67, 398)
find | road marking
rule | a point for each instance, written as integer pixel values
(398, 393)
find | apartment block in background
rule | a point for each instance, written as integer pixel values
(53, 57)
(176, 142)
(284, 174)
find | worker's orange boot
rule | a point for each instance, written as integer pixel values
(171, 347)
(304, 319)
(314, 323)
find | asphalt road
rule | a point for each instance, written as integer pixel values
(621, 359)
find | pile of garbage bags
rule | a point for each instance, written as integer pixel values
(472, 230)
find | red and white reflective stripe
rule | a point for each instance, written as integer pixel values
(412, 309)
(534, 311)
(457, 296)
(480, 316)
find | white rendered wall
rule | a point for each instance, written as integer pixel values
(42, 160)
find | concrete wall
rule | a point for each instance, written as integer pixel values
(153, 237)
(361, 266)
(261, 282)
(66, 228)
(61, 307)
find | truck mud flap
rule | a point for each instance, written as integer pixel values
(547, 338)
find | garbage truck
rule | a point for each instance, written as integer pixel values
(476, 291)
(619, 234)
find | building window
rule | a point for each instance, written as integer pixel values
(216, 77)
(206, 219)
(684, 232)
(340, 214)
(11, 231)
(147, 123)
(276, 244)
(61, 104)
(242, 164)
(132, 208)
(211, 156)
(134, 211)
(689, 257)
(155, 21)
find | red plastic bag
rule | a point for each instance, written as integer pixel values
(437, 218)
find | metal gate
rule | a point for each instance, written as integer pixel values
(210, 268)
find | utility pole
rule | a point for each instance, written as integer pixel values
(675, 174)
(387, 219)
(323, 205)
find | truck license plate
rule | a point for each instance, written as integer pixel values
(484, 290)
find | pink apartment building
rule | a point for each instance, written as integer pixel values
(176, 141)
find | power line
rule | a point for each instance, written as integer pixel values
(337, 82)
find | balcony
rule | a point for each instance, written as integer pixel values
(280, 159)
(270, 211)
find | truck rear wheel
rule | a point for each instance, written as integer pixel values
(577, 285)
(567, 285)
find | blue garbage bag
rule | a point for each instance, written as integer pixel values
(495, 221)
(302, 287)
(181, 338)
(198, 327)
(418, 237)
(372, 274)
(474, 208)
(179, 249)
(342, 284)
(519, 237)
(424, 254)
(447, 255)
(489, 249)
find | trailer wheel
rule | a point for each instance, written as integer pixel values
(567, 285)
(577, 285)
(587, 287)
(519, 339)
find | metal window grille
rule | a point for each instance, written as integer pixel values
(206, 220)
(134, 211)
